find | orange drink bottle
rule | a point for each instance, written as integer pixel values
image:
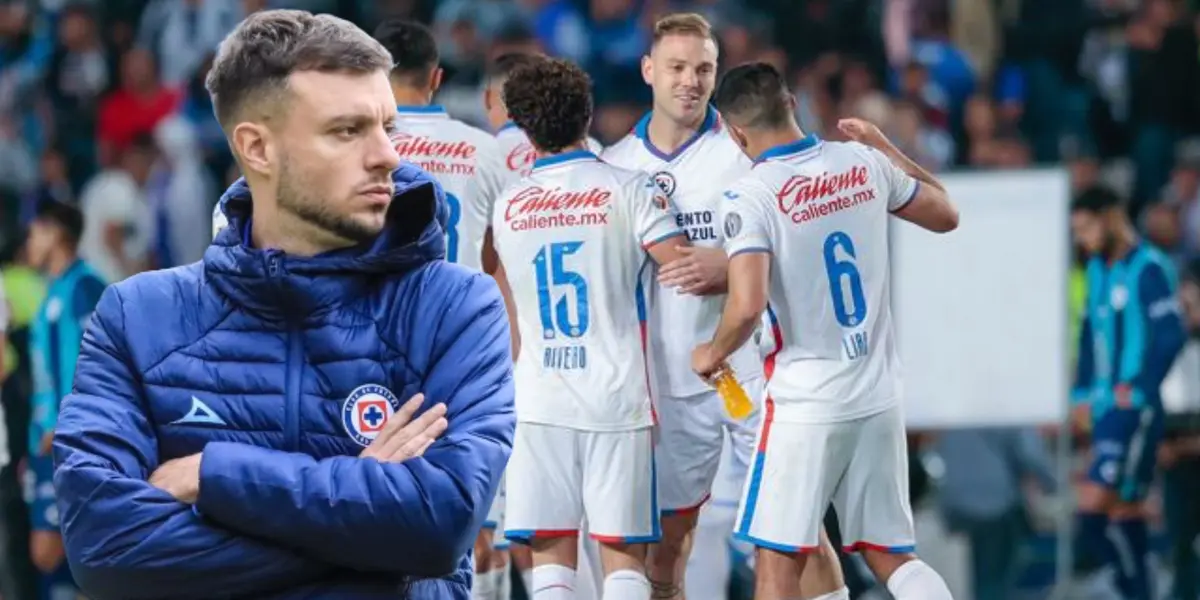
(737, 402)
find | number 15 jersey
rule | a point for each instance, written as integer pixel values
(821, 210)
(571, 237)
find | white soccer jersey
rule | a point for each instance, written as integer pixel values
(466, 161)
(571, 237)
(821, 210)
(692, 177)
(517, 154)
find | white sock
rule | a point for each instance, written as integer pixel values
(485, 586)
(504, 591)
(915, 580)
(553, 582)
(527, 579)
(842, 594)
(626, 584)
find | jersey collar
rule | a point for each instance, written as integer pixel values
(434, 110)
(791, 149)
(507, 125)
(642, 130)
(564, 158)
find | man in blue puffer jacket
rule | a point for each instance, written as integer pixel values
(237, 427)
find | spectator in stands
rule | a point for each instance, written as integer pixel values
(982, 498)
(116, 240)
(18, 167)
(1184, 192)
(182, 33)
(136, 107)
(81, 71)
(197, 109)
(26, 43)
(1179, 458)
(179, 193)
(931, 147)
(24, 289)
(1164, 81)
(54, 185)
(1160, 223)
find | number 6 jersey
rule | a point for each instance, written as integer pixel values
(571, 237)
(820, 209)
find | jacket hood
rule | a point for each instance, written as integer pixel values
(272, 283)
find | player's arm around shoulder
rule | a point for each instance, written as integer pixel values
(913, 193)
(688, 268)
(654, 219)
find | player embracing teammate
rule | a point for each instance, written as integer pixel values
(807, 235)
(618, 270)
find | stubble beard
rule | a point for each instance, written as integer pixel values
(296, 198)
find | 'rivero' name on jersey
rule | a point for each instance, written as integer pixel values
(692, 177)
(466, 161)
(821, 210)
(572, 238)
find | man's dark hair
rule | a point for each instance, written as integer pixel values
(499, 69)
(550, 99)
(65, 216)
(413, 49)
(255, 60)
(754, 95)
(1096, 199)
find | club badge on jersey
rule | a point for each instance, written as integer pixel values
(366, 411)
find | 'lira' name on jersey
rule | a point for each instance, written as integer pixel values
(821, 210)
(691, 177)
(571, 237)
(466, 161)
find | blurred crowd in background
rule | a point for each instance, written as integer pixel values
(102, 105)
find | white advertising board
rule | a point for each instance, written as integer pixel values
(981, 312)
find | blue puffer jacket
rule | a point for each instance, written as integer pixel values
(259, 359)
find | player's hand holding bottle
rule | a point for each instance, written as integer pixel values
(718, 374)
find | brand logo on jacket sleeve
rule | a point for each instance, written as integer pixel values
(367, 410)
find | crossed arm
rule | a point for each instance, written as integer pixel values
(266, 520)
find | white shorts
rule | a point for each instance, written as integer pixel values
(691, 435)
(561, 476)
(860, 466)
(495, 518)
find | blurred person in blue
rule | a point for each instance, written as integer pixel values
(982, 496)
(320, 408)
(72, 292)
(1132, 331)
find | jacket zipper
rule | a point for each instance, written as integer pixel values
(294, 367)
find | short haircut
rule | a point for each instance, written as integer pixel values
(550, 99)
(1096, 199)
(682, 24)
(413, 49)
(65, 216)
(498, 70)
(255, 60)
(754, 95)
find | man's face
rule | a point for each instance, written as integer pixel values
(682, 72)
(334, 158)
(1091, 231)
(41, 240)
(493, 104)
